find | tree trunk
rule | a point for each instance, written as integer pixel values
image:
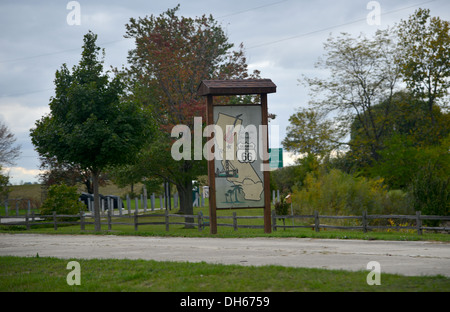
(97, 223)
(186, 200)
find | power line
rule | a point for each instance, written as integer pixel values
(25, 93)
(332, 27)
(54, 53)
(252, 9)
(119, 40)
(251, 47)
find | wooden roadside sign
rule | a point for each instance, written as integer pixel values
(238, 165)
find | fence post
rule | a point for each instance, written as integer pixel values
(145, 199)
(235, 226)
(109, 217)
(129, 205)
(152, 201)
(364, 221)
(316, 221)
(54, 221)
(82, 226)
(135, 221)
(274, 220)
(136, 204)
(199, 219)
(418, 223)
(166, 218)
(142, 204)
(17, 208)
(175, 200)
(6, 207)
(26, 220)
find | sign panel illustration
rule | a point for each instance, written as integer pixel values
(239, 180)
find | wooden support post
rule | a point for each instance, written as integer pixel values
(200, 221)
(211, 173)
(54, 221)
(82, 225)
(266, 172)
(364, 221)
(166, 218)
(418, 223)
(274, 221)
(109, 217)
(129, 205)
(26, 221)
(316, 221)
(235, 225)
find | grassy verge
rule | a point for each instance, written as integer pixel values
(224, 231)
(24, 274)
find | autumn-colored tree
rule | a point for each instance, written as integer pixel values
(173, 54)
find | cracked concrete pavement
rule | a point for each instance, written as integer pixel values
(412, 258)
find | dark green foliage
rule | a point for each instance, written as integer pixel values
(62, 199)
(91, 122)
(431, 193)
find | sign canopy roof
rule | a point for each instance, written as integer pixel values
(236, 87)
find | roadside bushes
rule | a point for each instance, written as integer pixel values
(338, 193)
(62, 199)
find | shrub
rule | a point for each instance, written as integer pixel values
(338, 193)
(431, 194)
(62, 199)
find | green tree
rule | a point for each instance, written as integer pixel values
(91, 123)
(4, 186)
(424, 43)
(310, 133)
(363, 73)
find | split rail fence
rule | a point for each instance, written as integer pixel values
(203, 221)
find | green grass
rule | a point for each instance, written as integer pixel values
(41, 274)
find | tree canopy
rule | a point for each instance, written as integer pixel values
(91, 124)
(385, 97)
(173, 54)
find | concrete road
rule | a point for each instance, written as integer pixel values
(406, 258)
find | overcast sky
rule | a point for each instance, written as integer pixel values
(282, 39)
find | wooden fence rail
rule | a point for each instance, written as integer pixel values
(202, 221)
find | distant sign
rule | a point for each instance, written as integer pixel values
(276, 157)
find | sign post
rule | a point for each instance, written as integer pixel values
(238, 161)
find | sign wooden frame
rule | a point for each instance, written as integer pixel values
(212, 88)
